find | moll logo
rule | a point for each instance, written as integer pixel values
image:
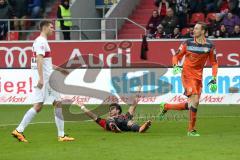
(178, 99)
(13, 99)
(212, 99)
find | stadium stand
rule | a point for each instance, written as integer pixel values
(210, 17)
(138, 14)
(197, 17)
(23, 10)
(200, 11)
(50, 12)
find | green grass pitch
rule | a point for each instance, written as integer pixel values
(219, 126)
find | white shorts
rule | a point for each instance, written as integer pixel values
(46, 94)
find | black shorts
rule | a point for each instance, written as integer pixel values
(122, 121)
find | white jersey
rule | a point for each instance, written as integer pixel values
(41, 47)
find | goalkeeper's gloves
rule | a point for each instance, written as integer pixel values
(213, 84)
(176, 69)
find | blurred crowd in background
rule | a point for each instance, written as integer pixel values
(171, 18)
(19, 9)
(176, 18)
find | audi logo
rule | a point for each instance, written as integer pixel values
(9, 56)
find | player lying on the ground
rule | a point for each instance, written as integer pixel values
(197, 51)
(117, 121)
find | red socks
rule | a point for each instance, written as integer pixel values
(179, 106)
(184, 106)
(192, 118)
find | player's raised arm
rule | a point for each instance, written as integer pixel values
(132, 108)
(178, 57)
(180, 53)
(88, 112)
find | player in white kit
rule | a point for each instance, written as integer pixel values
(42, 68)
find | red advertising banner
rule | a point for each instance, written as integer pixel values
(112, 53)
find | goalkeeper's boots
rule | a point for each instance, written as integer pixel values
(65, 138)
(19, 136)
(162, 111)
(193, 133)
(145, 126)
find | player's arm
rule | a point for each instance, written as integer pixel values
(39, 50)
(39, 60)
(132, 108)
(89, 113)
(60, 69)
(98, 120)
(180, 53)
(214, 63)
(178, 57)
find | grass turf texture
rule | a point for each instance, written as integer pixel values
(218, 125)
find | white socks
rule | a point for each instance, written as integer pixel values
(30, 114)
(59, 121)
(26, 119)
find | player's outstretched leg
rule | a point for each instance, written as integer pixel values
(178, 106)
(164, 107)
(145, 126)
(162, 110)
(59, 120)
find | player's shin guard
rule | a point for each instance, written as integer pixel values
(59, 121)
(192, 118)
(29, 115)
(179, 106)
(135, 128)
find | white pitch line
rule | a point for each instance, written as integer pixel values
(219, 117)
(5, 125)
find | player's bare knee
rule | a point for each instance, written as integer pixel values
(195, 103)
(38, 107)
(57, 104)
(130, 123)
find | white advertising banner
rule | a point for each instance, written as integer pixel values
(16, 86)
